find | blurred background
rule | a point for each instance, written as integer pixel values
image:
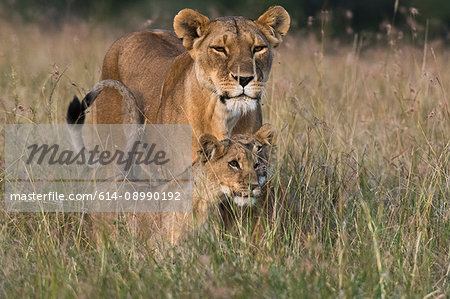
(343, 18)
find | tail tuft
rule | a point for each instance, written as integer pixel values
(76, 112)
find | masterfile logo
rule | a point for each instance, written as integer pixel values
(95, 156)
(110, 168)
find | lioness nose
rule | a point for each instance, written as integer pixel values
(243, 81)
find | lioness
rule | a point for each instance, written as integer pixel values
(208, 73)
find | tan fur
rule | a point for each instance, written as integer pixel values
(192, 80)
(261, 144)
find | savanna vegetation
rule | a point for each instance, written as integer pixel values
(361, 178)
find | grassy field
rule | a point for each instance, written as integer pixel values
(361, 182)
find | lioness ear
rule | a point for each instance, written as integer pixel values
(274, 23)
(210, 148)
(266, 134)
(189, 25)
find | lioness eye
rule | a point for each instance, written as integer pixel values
(234, 164)
(220, 49)
(258, 49)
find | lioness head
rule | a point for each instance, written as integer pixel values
(233, 55)
(237, 165)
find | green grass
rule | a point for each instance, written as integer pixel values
(361, 181)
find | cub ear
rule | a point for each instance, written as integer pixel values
(274, 23)
(210, 148)
(189, 25)
(266, 134)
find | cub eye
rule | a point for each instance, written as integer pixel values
(220, 50)
(258, 49)
(234, 164)
(259, 148)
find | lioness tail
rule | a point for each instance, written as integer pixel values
(76, 112)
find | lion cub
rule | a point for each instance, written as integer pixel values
(231, 169)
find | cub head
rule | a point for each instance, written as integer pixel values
(260, 144)
(237, 166)
(233, 55)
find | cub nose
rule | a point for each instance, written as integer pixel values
(243, 81)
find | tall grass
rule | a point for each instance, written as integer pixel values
(360, 183)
